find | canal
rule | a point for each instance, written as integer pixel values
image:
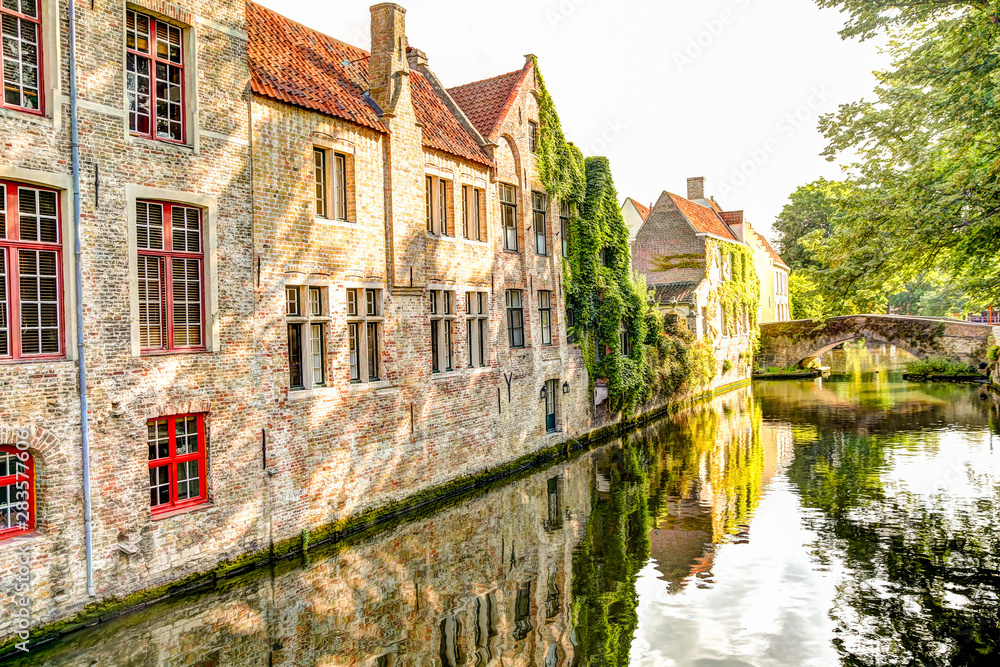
(851, 520)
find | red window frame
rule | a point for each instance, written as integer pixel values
(166, 277)
(153, 57)
(10, 274)
(171, 461)
(37, 21)
(22, 483)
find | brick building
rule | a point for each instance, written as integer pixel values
(684, 247)
(314, 281)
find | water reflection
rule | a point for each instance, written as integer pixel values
(850, 520)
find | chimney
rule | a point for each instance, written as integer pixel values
(416, 58)
(696, 188)
(388, 52)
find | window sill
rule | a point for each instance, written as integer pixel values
(368, 386)
(474, 242)
(207, 505)
(184, 149)
(553, 434)
(302, 394)
(167, 353)
(512, 252)
(347, 224)
(25, 114)
(22, 362)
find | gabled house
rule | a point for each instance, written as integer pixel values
(634, 215)
(688, 250)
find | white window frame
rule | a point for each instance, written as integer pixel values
(335, 198)
(477, 328)
(436, 210)
(443, 313)
(210, 217)
(360, 319)
(64, 184)
(306, 318)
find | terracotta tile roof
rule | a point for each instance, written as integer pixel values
(674, 292)
(704, 220)
(300, 66)
(732, 217)
(442, 131)
(486, 102)
(643, 211)
(297, 65)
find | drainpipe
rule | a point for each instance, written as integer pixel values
(78, 252)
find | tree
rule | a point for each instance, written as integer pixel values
(927, 180)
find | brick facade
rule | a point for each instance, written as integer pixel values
(247, 166)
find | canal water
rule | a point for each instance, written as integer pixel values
(851, 520)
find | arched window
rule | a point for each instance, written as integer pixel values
(17, 492)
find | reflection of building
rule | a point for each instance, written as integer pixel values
(711, 479)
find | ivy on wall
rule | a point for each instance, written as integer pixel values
(622, 337)
(686, 261)
(736, 296)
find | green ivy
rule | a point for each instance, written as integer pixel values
(603, 293)
(741, 291)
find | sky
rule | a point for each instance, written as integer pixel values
(727, 89)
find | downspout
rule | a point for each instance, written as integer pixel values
(78, 253)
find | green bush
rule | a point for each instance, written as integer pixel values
(938, 366)
(993, 354)
(727, 366)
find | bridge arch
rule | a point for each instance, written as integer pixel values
(786, 344)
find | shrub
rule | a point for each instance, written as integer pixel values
(993, 354)
(727, 366)
(938, 366)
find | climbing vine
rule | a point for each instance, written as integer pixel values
(671, 262)
(737, 296)
(622, 337)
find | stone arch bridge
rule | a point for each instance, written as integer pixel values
(785, 344)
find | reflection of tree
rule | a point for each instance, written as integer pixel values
(924, 578)
(607, 561)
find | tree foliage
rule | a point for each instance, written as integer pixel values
(924, 193)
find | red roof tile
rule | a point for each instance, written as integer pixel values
(487, 102)
(643, 211)
(704, 220)
(300, 66)
(442, 131)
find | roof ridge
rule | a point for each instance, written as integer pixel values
(491, 78)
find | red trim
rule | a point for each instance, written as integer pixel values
(28, 481)
(10, 246)
(40, 111)
(153, 58)
(171, 461)
(167, 277)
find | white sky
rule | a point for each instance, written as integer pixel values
(630, 81)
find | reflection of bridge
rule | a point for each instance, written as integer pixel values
(786, 344)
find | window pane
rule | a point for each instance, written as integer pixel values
(295, 379)
(352, 302)
(373, 352)
(353, 344)
(429, 195)
(319, 175)
(372, 302)
(186, 283)
(152, 324)
(469, 337)
(149, 225)
(38, 215)
(20, 62)
(4, 317)
(159, 486)
(157, 436)
(292, 301)
(435, 366)
(186, 435)
(39, 296)
(443, 206)
(340, 186)
(188, 480)
(317, 348)
(315, 301)
(185, 228)
(484, 335)
(447, 344)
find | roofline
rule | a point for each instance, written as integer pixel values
(717, 237)
(451, 104)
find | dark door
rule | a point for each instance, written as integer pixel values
(550, 405)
